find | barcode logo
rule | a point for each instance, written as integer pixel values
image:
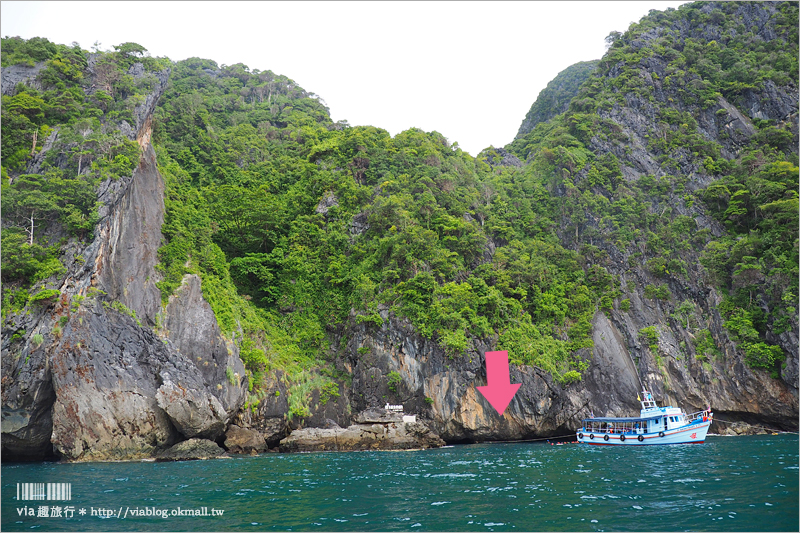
(44, 491)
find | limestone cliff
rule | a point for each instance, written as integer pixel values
(84, 375)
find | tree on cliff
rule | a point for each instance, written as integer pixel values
(130, 49)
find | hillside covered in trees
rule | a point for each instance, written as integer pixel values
(656, 187)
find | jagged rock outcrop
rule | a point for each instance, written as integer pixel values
(85, 377)
(328, 201)
(104, 384)
(15, 74)
(107, 371)
(378, 416)
(241, 440)
(269, 417)
(192, 328)
(500, 157)
(191, 449)
(195, 412)
(728, 381)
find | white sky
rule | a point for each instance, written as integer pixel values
(470, 70)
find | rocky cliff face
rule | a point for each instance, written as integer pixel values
(85, 377)
(443, 390)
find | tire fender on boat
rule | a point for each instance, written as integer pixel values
(660, 433)
(622, 438)
(580, 435)
(641, 438)
(605, 437)
(591, 436)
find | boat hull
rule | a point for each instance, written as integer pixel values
(689, 434)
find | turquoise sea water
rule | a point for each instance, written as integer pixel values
(726, 484)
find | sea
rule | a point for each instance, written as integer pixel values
(726, 484)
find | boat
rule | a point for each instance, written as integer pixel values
(654, 425)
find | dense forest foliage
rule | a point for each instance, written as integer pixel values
(299, 225)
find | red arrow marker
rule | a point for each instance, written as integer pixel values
(498, 390)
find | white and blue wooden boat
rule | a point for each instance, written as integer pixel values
(654, 425)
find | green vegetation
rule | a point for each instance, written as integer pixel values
(118, 306)
(393, 379)
(44, 296)
(660, 292)
(327, 392)
(685, 313)
(650, 336)
(704, 345)
(37, 340)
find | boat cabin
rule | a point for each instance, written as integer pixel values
(636, 426)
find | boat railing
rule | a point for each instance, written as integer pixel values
(615, 430)
(698, 416)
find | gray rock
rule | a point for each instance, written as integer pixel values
(330, 424)
(191, 449)
(35, 164)
(359, 437)
(359, 224)
(14, 420)
(542, 407)
(104, 372)
(129, 238)
(311, 440)
(26, 430)
(269, 418)
(15, 74)
(328, 201)
(195, 413)
(274, 429)
(192, 327)
(240, 440)
(771, 102)
(500, 157)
